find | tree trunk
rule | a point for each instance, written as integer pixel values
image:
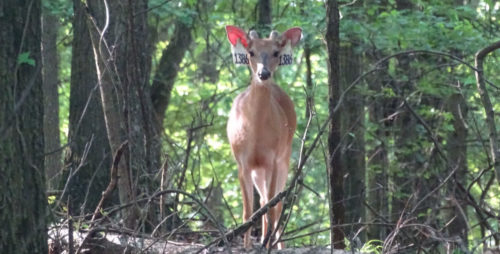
(404, 175)
(265, 17)
(112, 91)
(354, 145)
(22, 182)
(456, 147)
(142, 135)
(88, 157)
(457, 155)
(377, 195)
(334, 167)
(53, 154)
(168, 68)
(123, 69)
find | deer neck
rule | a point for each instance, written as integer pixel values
(261, 89)
(260, 96)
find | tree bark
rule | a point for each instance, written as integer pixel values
(52, 136)
(334, 167)
(22, 181)
(88, 156)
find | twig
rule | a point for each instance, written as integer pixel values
(71, 247)
(163, 186)
(160, 193)
(72, 172)
(435, 189)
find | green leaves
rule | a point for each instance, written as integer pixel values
(24, 58)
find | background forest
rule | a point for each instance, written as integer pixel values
(113, 120)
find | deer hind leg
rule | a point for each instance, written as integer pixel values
(247, 194)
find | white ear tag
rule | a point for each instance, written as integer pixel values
(239, 54)
(286, 57)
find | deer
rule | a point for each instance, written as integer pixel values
(262, 122)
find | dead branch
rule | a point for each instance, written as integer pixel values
(106, 193)
(253, 219)
(113, 180)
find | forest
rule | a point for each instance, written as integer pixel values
(117, 127)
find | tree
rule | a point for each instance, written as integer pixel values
(334, 167)
(377, 176)
(122, 56)
(353, 145)
(457, 154)
(22, 181)
(264, 20)
(168, 69)
(88, 155)
(53, 159)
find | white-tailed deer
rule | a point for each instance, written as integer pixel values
(262, 121)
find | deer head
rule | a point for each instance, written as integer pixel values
(263, 55)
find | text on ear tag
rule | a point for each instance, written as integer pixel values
(239, 54)
(286, 57)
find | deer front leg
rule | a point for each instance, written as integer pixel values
(247, 194)
(275, 214)
(280, 180)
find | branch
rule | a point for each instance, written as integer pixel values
(105, 194)
(112, 182)
(488, 108)
(253, 219)
(431, 52)
(161, 193)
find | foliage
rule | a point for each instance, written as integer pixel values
(372, 246)
(24, 58)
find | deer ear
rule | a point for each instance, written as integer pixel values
(239, 42)
(234, 33)
(289, 39)
(293, 35)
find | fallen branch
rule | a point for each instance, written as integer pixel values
(253, 219)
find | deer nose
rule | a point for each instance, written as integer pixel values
(264, 74)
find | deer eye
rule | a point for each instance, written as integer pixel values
(251, 53)
(276, 53)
